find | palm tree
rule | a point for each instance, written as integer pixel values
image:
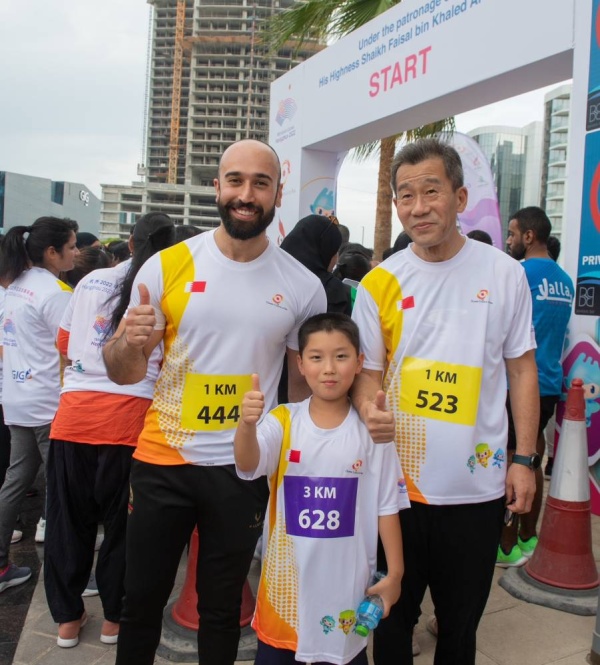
(324, 20)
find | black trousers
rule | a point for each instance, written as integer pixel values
(4, 447)
(167, 503)
(86, 484)
(451, 549)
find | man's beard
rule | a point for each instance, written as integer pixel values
(518, 252)
(239, 229)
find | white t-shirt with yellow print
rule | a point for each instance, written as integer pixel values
(224, 320)
(440, 333)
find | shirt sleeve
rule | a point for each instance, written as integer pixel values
(316, 304)
(151, 275)
(67, 317)
(521, 336)
(366, 316)
(53, 308)
(392, 489)
(270, 437)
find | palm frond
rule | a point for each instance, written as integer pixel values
(367, 150)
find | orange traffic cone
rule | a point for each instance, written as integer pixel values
(563, 557)
(185, 611)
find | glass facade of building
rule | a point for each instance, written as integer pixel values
(506, 151)
(556, 138)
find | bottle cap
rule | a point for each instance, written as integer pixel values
(361, 630)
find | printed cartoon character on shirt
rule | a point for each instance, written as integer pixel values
(347, 619)
(472, 463)
(499, 458)
(483, 453)
(327, 623)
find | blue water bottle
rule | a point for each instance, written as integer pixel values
(369, 614)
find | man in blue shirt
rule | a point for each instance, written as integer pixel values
(552, 297)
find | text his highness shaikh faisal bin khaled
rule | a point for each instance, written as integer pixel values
(383, 40)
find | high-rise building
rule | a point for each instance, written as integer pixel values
(515, 157)
(557, 104)
(208, 86)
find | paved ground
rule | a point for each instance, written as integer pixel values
(512, 632)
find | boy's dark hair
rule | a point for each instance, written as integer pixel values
(329, 322)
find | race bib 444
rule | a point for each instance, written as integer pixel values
(212, 403)
(438, 390)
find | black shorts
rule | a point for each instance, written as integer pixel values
(547, 405)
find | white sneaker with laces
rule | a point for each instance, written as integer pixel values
(40, 531)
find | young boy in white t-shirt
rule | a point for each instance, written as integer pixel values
(333, 491)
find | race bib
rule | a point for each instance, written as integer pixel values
(320, 507)
(212, 403)
(438, 390)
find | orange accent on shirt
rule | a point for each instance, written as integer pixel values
(62, 341)
(99, 418)
(152, 447)
(413, 490)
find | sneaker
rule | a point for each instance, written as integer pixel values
(513, 559)
(91, 588)
(416, 647)
(40, 531)
(527, 546)
(13, 576)
(431, 625)
(68, 633)
(548, 468)
(16, 537)
(110, 632)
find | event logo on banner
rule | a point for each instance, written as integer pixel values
(482, 211)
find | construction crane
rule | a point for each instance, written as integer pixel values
(176, 92)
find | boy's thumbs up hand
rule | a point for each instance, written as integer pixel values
(253, 403)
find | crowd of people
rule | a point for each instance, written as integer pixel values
(306, 393)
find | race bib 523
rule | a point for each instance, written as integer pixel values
(438, 390)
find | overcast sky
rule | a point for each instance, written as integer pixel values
(72, 89)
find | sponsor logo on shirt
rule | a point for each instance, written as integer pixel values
(402, 486)
(482, 296)
(277, 301)
(21, 375)
(195, 287)
(356, 468)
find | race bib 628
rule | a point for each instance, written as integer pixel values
(320, 507)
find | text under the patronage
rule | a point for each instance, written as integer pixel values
(392, 35)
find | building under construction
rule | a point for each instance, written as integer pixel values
(208, 85)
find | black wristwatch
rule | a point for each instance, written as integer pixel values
(531, 461)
